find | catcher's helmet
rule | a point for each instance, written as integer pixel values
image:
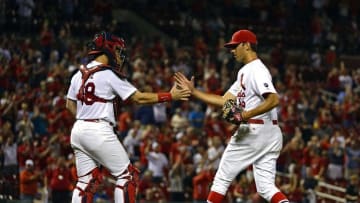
(109, 44)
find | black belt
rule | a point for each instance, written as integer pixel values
(97, 121)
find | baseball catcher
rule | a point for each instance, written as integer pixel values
(91, 98)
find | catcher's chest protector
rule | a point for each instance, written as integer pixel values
(88, 99)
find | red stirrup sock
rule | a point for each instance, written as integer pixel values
(279, 197)
(215, 197)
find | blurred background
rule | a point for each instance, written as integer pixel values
(311, 48)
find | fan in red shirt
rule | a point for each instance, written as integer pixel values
(29, 179)
(215, 126)
(24, 152)
(124, 122)
(318, 163)
(201, 184)
(60, 182)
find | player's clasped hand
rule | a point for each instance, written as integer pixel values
(181, 91)
(183, 82)
(232, 113)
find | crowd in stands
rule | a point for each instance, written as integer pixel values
(299, 24)
(178, 145)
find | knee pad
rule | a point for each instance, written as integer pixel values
(126, 184)
(88, 185)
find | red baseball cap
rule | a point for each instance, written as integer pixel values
(240, 37)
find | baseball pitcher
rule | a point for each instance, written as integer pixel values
(250, 103)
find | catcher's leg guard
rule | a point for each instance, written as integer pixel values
(126, 183)
(87, 186)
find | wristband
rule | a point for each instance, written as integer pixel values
(164, 96)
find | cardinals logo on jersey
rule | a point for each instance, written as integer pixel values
(241, 81)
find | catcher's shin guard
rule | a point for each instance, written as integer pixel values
(125, 191)
(87, 186)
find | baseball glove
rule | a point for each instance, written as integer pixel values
(232, 112)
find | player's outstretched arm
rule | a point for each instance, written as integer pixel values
(213, 99)
(178, 92)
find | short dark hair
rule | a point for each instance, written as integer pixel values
(253, 47)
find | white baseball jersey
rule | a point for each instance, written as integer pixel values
(253, 80)
(261, 145)
(104, 84)
(96, 143)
